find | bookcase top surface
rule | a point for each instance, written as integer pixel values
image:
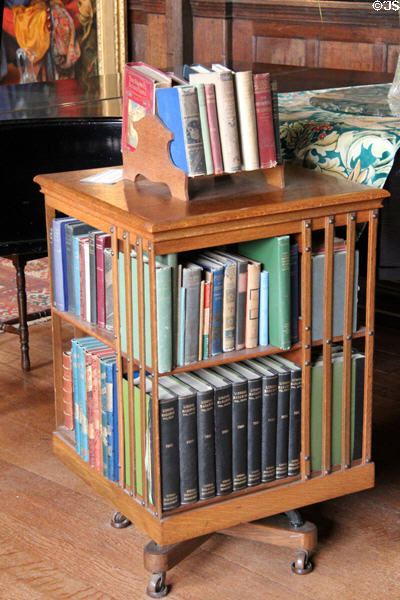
(148, 207)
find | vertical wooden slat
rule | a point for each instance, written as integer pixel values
(327, 347)
(142, 358)
(117, 330)
(347, 338)
(129, 338)
(305, 460)
(369, 333)
(154, 359)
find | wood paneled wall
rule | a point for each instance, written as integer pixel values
(329, 33)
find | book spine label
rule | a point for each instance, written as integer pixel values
(68, 401)
(282, 425)
(209, 91)
(264, 119)
(206, 445)
(188, 450)
(192, 131)
(252, 305)
(239, 435)
(169, 453)
(223, 441)
(247, 119)
(294, 424)
(254, 420)
(268, 435)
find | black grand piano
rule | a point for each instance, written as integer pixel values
(49, 127)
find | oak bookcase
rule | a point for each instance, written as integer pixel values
(144, 216)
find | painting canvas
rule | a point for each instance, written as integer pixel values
(46, 40)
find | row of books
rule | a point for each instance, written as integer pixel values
(81, 260)
(221, 429)
(222, 121)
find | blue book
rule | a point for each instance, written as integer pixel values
(169, 111)
(104, 417)
(75, 396)
(83, 345)
(76, 281)
(263, 317)
(59, 257)
(214, 272)
(110, 418)
(181, 327)
(115, 424)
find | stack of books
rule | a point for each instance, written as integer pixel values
(222, 120)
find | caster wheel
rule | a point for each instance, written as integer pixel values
(302, 564)
(157, 587)
(119, 521)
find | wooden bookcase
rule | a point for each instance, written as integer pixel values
(143, 216)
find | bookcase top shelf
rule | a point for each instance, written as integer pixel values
(246, 205)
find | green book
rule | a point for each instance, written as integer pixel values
(122, 301)
(274, 255)
(357, 397)
(205, 132)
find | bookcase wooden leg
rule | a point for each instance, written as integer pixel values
(159, 559)
(282, 530)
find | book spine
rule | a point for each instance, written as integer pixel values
(282, 425)
(223, 440)
(263, 318)
(209, 91)
(191, 279)
(216, 312)
(102, 242)
(294, 424)
(110, 422)
(68, 401)
(115, 424)
(358, 365)
(70, 275)
(264, 120)
(204, 128)
(122, 303)
(241, 306)
(275, 114)
(282, 308)
(206, 319)
(254, 420)
(169, 453)
(127, 431)
(109, 298)
(87, 287)
(229, 308)
(192, 131)
(181, 328)
(89, 405)
(82, 296)
(294, 293)
(75, 390)
(206, 444)
(92, 275)
(201, 321)
(247, 119)
(103, 401)
(76, 275)
(227, 119)
(83, 420)
(188, 450)
(252, 305)
(58, 281)
(269, 433)
(96, 413)
(164, 318)
(239, 435)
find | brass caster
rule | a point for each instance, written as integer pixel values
(119, 521)
(302, 564)
(157, 587)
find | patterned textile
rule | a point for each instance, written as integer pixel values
(357, 147)
(37, 288)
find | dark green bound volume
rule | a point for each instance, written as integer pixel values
(254, 420)
(269, 398)
(239, 425)
(169, 448)
(222, 430)
(205, 433)
(187, 437)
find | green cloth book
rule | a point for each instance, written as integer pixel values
(274, 255)
(356, 415)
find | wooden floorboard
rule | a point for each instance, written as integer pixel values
(56, 541)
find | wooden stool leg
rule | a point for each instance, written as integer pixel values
(159, 559)
(282, 530)
(19, 264)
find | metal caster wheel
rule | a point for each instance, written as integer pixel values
(119, 521)
(302, 564)
(157, 587)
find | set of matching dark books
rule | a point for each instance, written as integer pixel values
(223, 429)
(222, 121)
(82, 271)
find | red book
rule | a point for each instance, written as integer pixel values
(139, 96)
(211, 107)
(102, 241)
(68, 400)
(265, 121)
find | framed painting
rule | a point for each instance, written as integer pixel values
(46, 40)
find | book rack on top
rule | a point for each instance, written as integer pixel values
(144, 221)
(157, 165)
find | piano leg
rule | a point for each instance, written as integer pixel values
(19, 264)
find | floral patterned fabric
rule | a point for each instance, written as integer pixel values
(357, 147)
